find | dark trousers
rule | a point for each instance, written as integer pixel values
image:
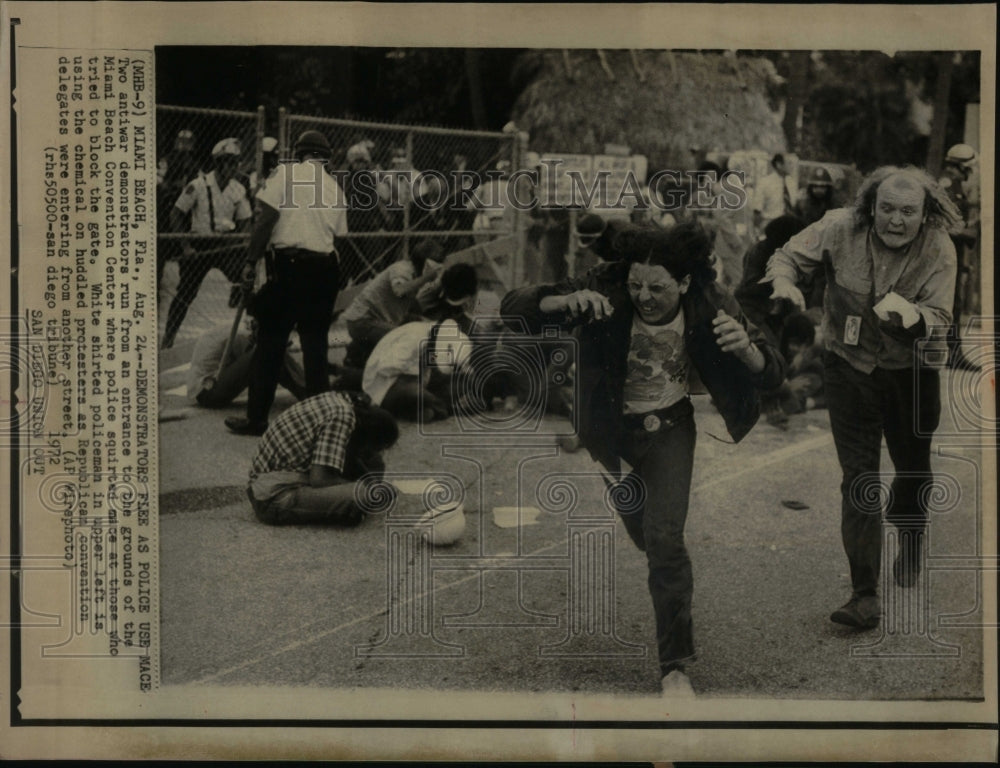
(864, 407)
(953, 335)
(407, 399)
(365, 334)
(301, 296)
(662, 463)
(235, 377)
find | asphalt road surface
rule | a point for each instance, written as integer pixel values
(554, 598)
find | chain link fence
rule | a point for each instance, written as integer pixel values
(419, 175)
(202, 232)
(423, 185)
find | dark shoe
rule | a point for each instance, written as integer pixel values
(776, 417)
(354, 356)
(906, 568)
(351, 518)
(241, 426)
(861, 612)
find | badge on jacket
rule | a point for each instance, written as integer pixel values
(852, 330)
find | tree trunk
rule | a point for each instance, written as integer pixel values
(798, 85)
(474, 78)
(942, 89)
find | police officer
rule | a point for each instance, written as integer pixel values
(818, 198)
(216, 203)
(302, 211)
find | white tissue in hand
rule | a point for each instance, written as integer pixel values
(893, 302)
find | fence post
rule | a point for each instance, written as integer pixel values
(283, 132)
(258, 160)
(406, 208)
(519, 144)
(573, 243)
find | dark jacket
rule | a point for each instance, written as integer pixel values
(603, 354)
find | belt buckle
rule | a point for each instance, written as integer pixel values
(651, 423)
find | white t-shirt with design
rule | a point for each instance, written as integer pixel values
(657, 366)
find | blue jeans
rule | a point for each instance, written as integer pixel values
(662, 463)
(286, 498)
(864, 407)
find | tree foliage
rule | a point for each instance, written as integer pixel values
(856, 106)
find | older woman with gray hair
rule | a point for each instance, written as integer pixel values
(890, 269)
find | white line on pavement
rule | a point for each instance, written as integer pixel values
(176, 369)
(774, 457)
(767, 459)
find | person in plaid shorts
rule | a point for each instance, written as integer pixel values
(315, 460)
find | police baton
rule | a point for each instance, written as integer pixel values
(224, 360)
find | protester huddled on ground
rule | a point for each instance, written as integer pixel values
(411, 371)
(451, 295)
(387, 301)
(317, 462)
(214, 383)
(802, 388)
(754, 296)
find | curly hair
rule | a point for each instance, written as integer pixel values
(684, 249)
(374, 427)
(940, 211)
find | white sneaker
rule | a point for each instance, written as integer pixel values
(676, 686)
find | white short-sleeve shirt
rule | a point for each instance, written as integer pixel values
(770, 197)
(311, 203)
(213, 209)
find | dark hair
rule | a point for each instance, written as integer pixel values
(708, 165)
(778, 158)
(780, 230)
(684, 249)
(424, 250)
(797, 328)
(459, 281)
(374, 427)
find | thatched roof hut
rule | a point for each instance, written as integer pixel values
(660, 103)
